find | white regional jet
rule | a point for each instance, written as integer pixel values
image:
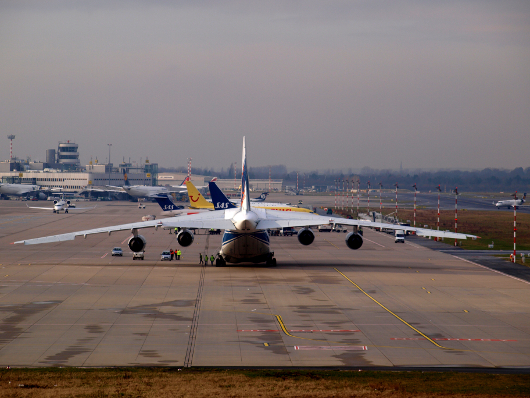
(511, 203)
(61, 205)
(245, 238)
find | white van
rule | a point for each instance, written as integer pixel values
(400, 236)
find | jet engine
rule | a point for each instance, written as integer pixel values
(306, 236)
(354, 241)
(185, 238)
(137, 243)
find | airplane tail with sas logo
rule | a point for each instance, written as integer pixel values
(219, 199)
(197, 201)
(166, 204)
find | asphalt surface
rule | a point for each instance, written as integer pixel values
(384, 306)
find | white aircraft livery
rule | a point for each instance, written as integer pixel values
(245, 228)
(19, 189)
(510, 203)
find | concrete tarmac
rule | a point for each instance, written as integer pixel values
(384, 305)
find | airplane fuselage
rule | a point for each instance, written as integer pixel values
(18, 189)
(144, 191)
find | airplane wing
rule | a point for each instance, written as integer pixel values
(279, 219)
(43, 208)
(213, 219)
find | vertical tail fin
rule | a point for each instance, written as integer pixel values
(185, 180)
(245, 200)
(166, 204)
(197, 201)
(219, 199)
(125, 179)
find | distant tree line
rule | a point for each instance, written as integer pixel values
(486, 180)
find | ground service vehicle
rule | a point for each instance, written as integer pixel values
(117, 251)
(166, 255)
(138, 255)
(288, 231)
(400, 236)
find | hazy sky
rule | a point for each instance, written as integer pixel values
(312, 84)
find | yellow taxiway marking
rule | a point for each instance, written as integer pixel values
(332, 244)
(390, 312)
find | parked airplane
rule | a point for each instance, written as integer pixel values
(511, 202)
(260, 198)
(170, 209)
(22, 190)
(245, 228)
(61, 205)
(197, 201)
(183, 184)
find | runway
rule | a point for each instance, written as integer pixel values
(384, 305)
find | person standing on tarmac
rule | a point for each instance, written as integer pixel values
(211, 259)
(200, 258)
(172, 253)
(178, 254)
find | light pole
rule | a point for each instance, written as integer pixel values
(368, 197)
(335, 181)
(415, 190)
(514, 224)
(456, 214)
(358, 194)
(397, 186)
(381, 200)
(438, 223)
(109, 162)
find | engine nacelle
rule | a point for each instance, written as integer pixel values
(354, 241)
(137, 243)
(67, 202)
(306, 236)
(185, 238)
(54, 202)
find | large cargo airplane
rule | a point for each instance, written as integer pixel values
(245, 237)
(511, 203)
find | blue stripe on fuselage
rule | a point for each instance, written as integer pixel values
(231, 236)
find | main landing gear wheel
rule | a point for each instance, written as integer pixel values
(66, 211)
(271, 262)
(220, 262)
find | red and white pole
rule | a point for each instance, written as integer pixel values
(514, 226)
(415, 190)
(381, 200)
(358, 195)
(189, 169)
(347, 193)
(456, 214)
(235, 176)
(297, 182)
(368, 198)
(11, 137)
(335, 194)
(397, 186)
(351, 197)
(438, 222)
